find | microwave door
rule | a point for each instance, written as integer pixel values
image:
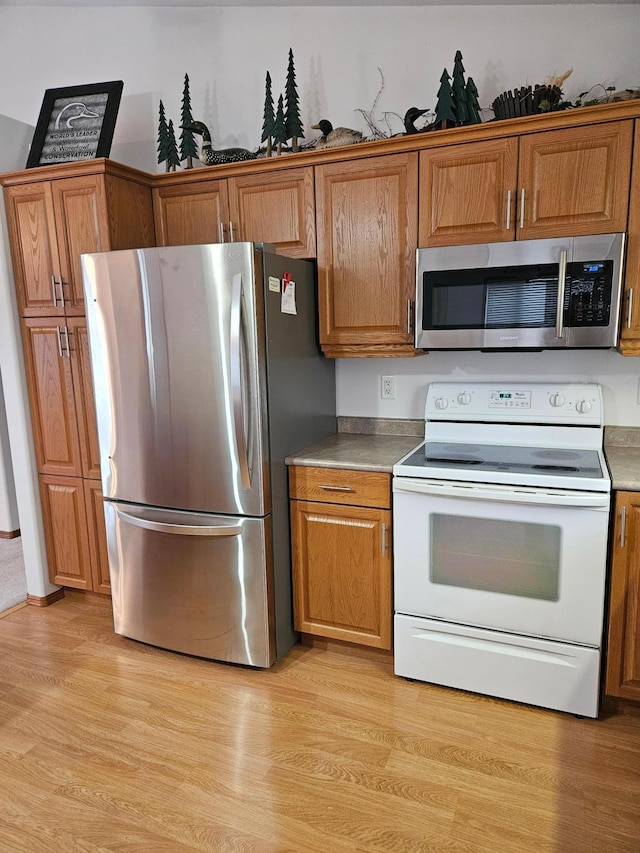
(493, 308)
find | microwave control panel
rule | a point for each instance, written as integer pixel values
(589, 293)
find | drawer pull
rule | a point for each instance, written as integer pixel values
(336, 488)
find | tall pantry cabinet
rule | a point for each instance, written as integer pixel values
(54, 214)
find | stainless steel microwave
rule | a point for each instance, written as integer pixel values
(525, 294)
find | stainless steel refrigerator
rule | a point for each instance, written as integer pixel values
(206, 374)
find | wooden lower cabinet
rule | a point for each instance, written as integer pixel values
(75, 532)
(623, 653)
(342, 555)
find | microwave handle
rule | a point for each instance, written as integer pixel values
(562, 277)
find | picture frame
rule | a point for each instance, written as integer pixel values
(75, 123)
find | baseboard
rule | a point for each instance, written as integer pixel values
(45, 600)
(331, 645)
(9, 534)
(13, 609)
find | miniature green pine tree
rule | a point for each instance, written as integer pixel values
(445, 109)
(188, 147)
(459, 91)
(163, 137)
(472, 103)
(279, 130)
(269, 120)
(293, 125)
(173, 159)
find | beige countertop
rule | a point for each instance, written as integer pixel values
(365, 451)
(357, 451)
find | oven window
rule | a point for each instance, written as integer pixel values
(509, 557)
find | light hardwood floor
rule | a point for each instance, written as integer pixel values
(110, 745)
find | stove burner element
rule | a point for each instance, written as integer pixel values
(454, 460)
(555, 468)
(557, 454)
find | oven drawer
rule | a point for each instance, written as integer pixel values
(538, 672)
(340, 486)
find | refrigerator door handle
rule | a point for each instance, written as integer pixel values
(181, 529)
(236, 379)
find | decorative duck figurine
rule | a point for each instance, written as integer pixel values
(214, 157)
(331, 137)
(409, 120)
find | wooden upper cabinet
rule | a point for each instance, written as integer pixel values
(574, 181)
(34, 248)
(278, 208)
(52, 398)
(468, 192)
(623, 652)
(191, 213)
(97, 537)
(367, 229)
(82, 226)
(52, 222)
(630, 324)
(83, 391)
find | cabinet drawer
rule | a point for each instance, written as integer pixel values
(340, 486)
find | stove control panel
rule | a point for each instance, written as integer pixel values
(535, 402)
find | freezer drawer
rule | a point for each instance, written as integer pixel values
(193, 583)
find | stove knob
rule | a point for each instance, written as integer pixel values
(557, 400)
(583, 406)
(464, 399)
(441, 403)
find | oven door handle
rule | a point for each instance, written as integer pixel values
(507, 494)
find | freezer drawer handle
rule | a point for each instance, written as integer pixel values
(181, 529)
(236, 379)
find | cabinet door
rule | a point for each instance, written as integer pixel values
(97, 537)
(52, 399)
(65, 525)
(630, 323)
(342, 572)
(623, 653)
(83, 393)
(468, 193)
(34, 249)
(82, 226)
(367, 215)
(187, 214)
(575, 181)
(277, 208)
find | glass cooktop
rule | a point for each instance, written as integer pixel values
(509, 459)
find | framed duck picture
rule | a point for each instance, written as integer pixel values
(75, 123)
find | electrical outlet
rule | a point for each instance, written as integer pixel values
(388, 387)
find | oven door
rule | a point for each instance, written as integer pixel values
(524, 560)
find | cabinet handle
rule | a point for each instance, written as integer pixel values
(409, 311)
(221, 231)
(231, 238)
(53, 290)
(59, 341)
(508, 225)
(65, 332)
(384, 540)
(623, 526)
(336, 488)
(629, 307)
(61, 291)
(522, 208)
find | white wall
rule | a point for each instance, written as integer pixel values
(14, 135)
(8, 504)
(359, 379)
(337, 52)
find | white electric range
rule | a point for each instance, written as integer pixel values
(501, 522)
